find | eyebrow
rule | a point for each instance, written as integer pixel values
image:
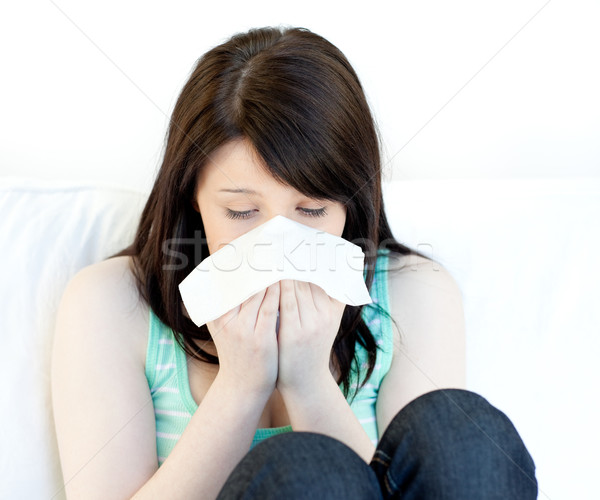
(241, 190)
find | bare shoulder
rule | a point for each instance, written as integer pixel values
(425, 300)
(413, 271)
(106, 293)
(115, 272)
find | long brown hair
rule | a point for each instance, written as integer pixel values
(296, 98)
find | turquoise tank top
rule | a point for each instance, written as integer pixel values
(167, 374)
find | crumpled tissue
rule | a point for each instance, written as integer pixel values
(278, 249)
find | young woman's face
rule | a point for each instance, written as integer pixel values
(227, 214)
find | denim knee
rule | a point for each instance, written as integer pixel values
(297, 465)
(452, 443)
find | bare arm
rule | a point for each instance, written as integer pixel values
(218, 436)
(103, 410)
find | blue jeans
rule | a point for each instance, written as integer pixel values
(446, 444)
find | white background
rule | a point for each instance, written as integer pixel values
(463, 89)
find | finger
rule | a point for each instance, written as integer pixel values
(218, 325)
(251, 305)
(304, 295)
(320, 297)
(225, 318)
(288, 305)
(271, 298)
(267, 314)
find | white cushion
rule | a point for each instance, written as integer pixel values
(49, 230)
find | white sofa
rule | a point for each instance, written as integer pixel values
(524, 253)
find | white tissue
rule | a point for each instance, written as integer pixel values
(278, 249)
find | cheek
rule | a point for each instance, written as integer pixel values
(218, 235)
(217, 230)
(340, 222)
(215, 237)
(212, 231)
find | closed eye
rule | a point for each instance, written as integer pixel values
(318, 212)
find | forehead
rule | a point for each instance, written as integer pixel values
(232, 162)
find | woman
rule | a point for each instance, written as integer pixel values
(272, 122)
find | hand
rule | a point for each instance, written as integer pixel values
(246, 343)
(308, 323)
